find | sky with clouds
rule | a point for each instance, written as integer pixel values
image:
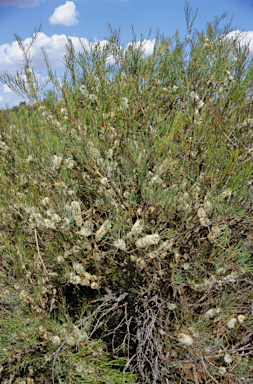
(89, 19)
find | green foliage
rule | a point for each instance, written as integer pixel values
(126, 217)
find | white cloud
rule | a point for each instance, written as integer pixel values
(65, 14)
(55, 47)
(147, 46)
(6, 89)
(244, 38)
(12, 56)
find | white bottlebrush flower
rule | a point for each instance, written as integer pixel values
(228, 358)
(93, 98)
(212, 312)
(157, 180)
(152, 255)
(56, 162)
(203, 217)
(167, 245)
(189, 37)
(94, 285)
(85, 282)
(215, 230)
(49, 224)
(104, 181)
(64, 110)
(172, 306)
(233, 276)
(222, 370)
(186, 266)
(201, 104)
(79, 368)
(3, 146)
(232, 322)
(70, 163)
(45, 201)
(87, 275)
(83, 90)
(126, 194)
(116, 144)
(76, 210)
(55, 217)
(85, 231)
(66, 223)
(137, 227)
(75, 280)
(102, 230)
(56, 340)
(30, 158)
(82, 337)
(60, 259)
(124, 102)
(241, 318)
(141, 263)
(71, 341)
(226, 193)
(23, 294)
(185, 339)
(110, 153)
(207, 205)
(120, 244)
(70, 192)
(78, 268)
(147, 240)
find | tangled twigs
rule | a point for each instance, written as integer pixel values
(149, 314)
(140, 329)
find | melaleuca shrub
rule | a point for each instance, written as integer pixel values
(133, 216)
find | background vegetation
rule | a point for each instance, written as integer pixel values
(126, 216)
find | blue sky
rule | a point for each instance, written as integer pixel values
(88, 19)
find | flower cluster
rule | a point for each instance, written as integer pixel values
(185, 339)
(203, 219)
(76, 210)
(82, 277)
(102, 230)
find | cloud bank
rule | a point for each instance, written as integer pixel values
(55, 48)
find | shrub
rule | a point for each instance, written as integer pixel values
(126, 231)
